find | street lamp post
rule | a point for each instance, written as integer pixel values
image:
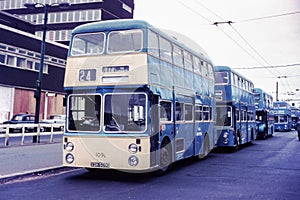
(277, 99)
(37, 93)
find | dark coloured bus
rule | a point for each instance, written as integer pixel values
(235, 108)
(264, 113)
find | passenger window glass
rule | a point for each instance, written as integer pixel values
(153, 44)
(197, 65)
(165, 111)
(165, 49)
(188, 112)
(206, 113)
(88, 44)
(198, 113)
(125, 41)
(188, 61)
(179, 111)
(177, 56)
(84, 112)
(125, 112)
(222, 78)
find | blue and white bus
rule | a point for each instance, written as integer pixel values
(138, 98)
(264, 113)
(235, 108)
(295, 115)
(283, 116)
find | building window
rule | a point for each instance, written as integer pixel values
(77, 16)
(29, 64)
(21, 62)
(11, 60)
(2, 58)
(71, 17)
(97, 15)
(58, 17)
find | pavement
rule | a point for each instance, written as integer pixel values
(27, 159)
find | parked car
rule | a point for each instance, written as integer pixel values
(21, 119)
(58, 120)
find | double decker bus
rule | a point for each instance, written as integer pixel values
(283, 116)
(235, 108)
(295, 115)
(264, 113)
(138, 98)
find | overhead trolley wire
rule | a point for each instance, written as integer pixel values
(271, 66)
(210, 22)
(239, 34)
(231, 38)
(267, 17)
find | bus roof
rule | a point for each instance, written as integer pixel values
(118, 24)
(124, 24)
(228, 69)
(262, 91)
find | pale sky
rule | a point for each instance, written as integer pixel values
(271, 41)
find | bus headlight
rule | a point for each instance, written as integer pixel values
(226, 141)
(69, 146)
(69, 158)
(133, 148)
(225, 135)
(133, 161)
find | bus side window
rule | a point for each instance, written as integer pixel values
(206, 116)
(198, 113)
(179, 111)
(165, 111)
(165, 49)
(177, 56)
(153, 48)
(188, 109)
(237, 115)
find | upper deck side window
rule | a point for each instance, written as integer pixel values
(188, 61)
(153, 47)
(222, 78)
(210, 71)
(197, 65)
(256, 97)
(177, 56)
(125, 41)
(165, 49)
(88, 44)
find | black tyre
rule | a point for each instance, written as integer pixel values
(165, 158)
(206, 148)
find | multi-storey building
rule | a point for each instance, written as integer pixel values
(20, 43)
(62, 21)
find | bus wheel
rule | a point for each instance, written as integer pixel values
(165, 158)
(206, 148)
(265, 133)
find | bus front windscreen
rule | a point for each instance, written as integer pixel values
(125, 41)
(88, 44)
(84, 112)
(125, 113)
(224, 115)
(222, 78)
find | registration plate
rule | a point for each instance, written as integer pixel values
(87, 75)
(100, 165)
